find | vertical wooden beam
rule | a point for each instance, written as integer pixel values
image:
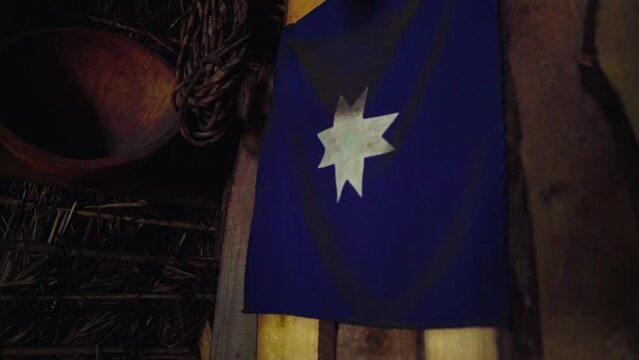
(327, 346)
(521, 339)
(282, 337)
(287, 338)
(461, 344)
(235, 333)
(584, 229)
(363, 343)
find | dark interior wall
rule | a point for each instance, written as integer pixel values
(618, 46)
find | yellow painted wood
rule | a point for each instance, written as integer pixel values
(206, 339)
(297, 9)
(618, 46)
(461, 344)
(287, 338)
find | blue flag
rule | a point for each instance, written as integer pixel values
(381, 185)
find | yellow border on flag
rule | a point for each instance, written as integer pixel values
(297, 9)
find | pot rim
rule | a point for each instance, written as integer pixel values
(19, 147)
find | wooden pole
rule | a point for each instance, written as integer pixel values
(235, 333)
(287, 337)
(584, 229)
(461, 344)
(361, 343)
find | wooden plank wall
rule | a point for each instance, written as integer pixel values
(360, 343)
(287, 337)
(235, 333)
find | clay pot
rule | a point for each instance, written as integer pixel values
(81, 104)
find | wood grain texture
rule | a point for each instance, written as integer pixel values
(205, 342)
(287, 338)
(461, 344)
(584, 229)
(327, 345)
(521, 340)
(235, 333)
(363, 343)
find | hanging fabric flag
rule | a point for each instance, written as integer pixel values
(381, 185)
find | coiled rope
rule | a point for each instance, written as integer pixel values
(213, 44)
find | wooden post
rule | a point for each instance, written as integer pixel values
(363, 343)
(235, 333)
(461, 344)
(282, 337)
(584, 229)
(287, 337)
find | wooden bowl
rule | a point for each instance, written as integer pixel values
(79, 103)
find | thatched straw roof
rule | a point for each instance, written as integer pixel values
(84, 272)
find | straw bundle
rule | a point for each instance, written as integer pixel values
(79, 272)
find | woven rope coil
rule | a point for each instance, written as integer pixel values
(213, 44)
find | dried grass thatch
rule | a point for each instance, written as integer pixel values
(73, 280)
(92, 276)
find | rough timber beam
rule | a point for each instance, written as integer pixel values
(234, 333)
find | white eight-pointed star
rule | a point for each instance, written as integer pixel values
(351, 140)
